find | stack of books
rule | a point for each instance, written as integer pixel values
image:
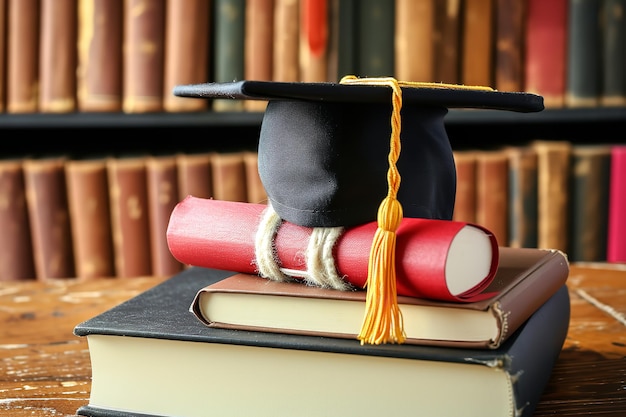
(217, 339)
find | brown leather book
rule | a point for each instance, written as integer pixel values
(48, 211)
(478, 36)
(447, 41)
(22, 56)
(229, 176)
(16, 252)
(414, 43)
(3, 52)
(255, 188)
(553, 182)
(144, 45)
(187, 44)
(509, 35)
(465, 200)
(162, 183)
(57, 56)
(492, 193)
(90, 219)
(99, 73)
(286, 63)
(258, 45)
(130, 224)
(194, 175)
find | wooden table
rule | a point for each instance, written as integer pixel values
(45, 369)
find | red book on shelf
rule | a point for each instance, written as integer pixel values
(616, 245)
(546, 47)
(437, 259)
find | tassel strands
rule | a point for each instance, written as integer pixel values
(382, 322)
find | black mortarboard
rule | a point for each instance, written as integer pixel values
(323, 147)
(330, 156)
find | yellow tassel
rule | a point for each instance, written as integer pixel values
(383, 319)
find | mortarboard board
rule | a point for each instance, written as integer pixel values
(330, 153)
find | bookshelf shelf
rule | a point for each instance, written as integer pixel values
(236, 130)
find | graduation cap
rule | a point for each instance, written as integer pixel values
(334, 155)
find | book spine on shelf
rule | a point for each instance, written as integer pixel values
(46, 197)
(22, 56)
(478, 36)
(186, 56)
(99, 67)
(90, 219)
(130, 225)
(616, 245)
(228, 47)
(143, 61)
(16, 259)
(413, 40)
(162, 184)
(57, 56)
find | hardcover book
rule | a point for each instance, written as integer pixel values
(151, 356)
(526, 278)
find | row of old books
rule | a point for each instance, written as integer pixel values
(104, 217)
(217, 341)
(127, 55)
(548, 194)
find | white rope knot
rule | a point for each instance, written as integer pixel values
(320, 262)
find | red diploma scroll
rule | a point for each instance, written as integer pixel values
(221, 235)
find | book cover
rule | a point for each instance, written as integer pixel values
(48, 213)
(16, 253)
(194, 175)
(228, 47)
(186, 56)
(314, 37)
(90, 217)
(447, 41)
(162, 185)
(216, 371)
(347, 38)
(57, 56)
(545, 59)
(99, 55)
(510, 17)
(616, 243)
(613, 91)
(375, 48)
(228, 171)
(258, 45)
(492, 192)
(436, 259)
(589, 207)
(526, 278)
(286, 58)
(477, 61)
(584, 54)
(22, 56)
(465, 198)
(413, 40)
(143, 62)
(553, 196)
(522, 207)
(3, 53)
(130, 222)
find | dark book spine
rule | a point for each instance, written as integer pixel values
(614, 58)
(376, 47)
(522, 197)
(584, 64)
(228, 58)
(509, 45)
(590, 178)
